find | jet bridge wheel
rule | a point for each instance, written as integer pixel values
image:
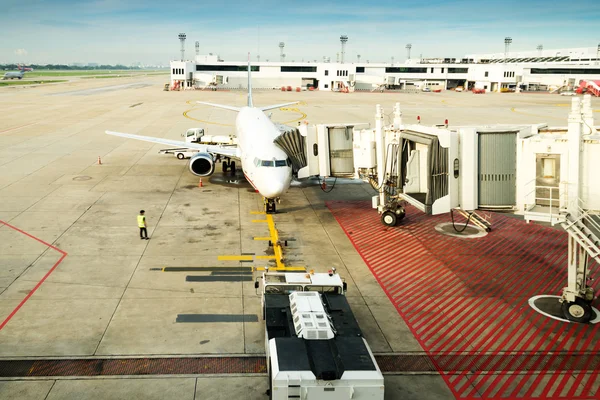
(389, 218)
(225, 166)
(577, 311)
(232, 167)
(180, 156)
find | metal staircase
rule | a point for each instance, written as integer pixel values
(584, 243)
(582, 230)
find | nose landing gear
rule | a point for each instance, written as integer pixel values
(270, 206)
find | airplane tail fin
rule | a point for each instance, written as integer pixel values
(249, 84)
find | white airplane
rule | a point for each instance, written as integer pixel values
(265, 165)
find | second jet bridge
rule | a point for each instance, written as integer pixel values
(428, 168)
(420, 164)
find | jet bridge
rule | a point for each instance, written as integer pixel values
(411, 163)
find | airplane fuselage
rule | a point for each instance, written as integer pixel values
(265, 165)
(13, 75)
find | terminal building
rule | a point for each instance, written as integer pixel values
(546, 70)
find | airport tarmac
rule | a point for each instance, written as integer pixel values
(69, 234)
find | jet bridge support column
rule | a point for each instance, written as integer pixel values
(379, 146)
(397, 116)
(387, 205)
(575, 304)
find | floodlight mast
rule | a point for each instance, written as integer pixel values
(281, 55)
(197, 49)
(408, 47)
(507, 42)
(540, 48)
(343, 40)
(182, 37)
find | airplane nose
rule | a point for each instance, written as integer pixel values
(274, 189)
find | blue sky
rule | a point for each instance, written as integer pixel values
(113, 31)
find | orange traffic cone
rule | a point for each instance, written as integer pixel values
(200, 183)
(99, 161)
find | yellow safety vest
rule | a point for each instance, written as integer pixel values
(141, 221)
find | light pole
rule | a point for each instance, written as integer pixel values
(343, 40)
(408, 47)
(358, 58)
(392, 60)
(182, 37)
(281, 55)
(540, 48)
(507, 42)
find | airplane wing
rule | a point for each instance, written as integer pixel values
(231, 108)
(277, 106)
(227, 151)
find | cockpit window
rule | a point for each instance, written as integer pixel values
(272, 163)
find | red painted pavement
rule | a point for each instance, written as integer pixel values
(469, 297)
(63, 255)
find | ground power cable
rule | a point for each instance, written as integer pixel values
(466, 224)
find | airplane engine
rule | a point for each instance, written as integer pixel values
(202, 164)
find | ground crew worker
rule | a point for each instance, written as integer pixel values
(141, 220)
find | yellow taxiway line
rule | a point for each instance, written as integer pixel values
(235, 258)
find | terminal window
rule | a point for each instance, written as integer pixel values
(360, 70)
(230, 68)
(458, 70)
(582, 71)
(405, 70)
(298, 69)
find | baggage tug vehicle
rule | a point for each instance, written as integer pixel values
(314, 347)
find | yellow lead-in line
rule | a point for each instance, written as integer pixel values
(259, 220)
(235, 258)
(257, 212)
(281, 269)
(275, 241)
(262, 238)
(265, 257)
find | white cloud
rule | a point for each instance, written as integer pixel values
(21, 52)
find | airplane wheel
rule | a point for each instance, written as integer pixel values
(180, 156)
(578, 311)
(232, 167)
(389, 218)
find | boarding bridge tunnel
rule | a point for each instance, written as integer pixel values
(421, 164)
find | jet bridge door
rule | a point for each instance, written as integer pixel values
(497, 169)
(341, 160)
(424, 173)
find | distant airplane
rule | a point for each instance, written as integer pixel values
(13, 75)
(23, 68)
(265, 165)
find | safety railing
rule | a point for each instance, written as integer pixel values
(555, 200)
